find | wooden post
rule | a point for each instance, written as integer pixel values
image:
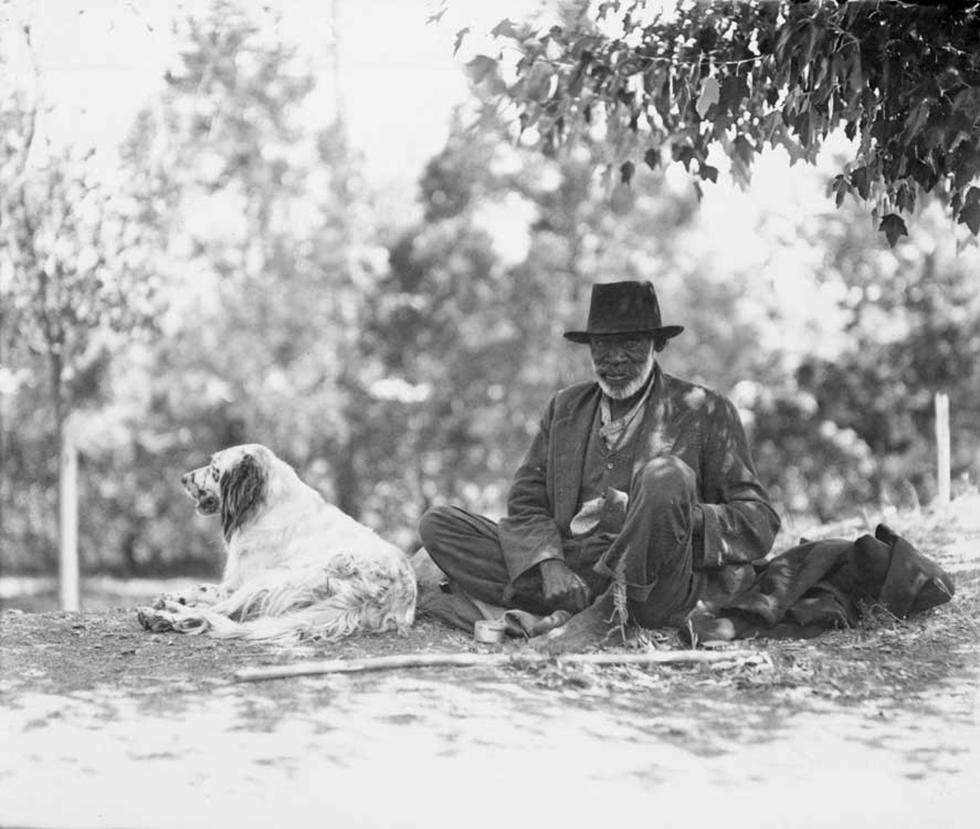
(68, 569)
(942, 449)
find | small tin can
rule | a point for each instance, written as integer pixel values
(490, 631)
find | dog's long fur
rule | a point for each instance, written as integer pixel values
(296, 565)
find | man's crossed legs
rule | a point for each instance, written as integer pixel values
(652, 556)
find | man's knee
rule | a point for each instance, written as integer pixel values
(433, 524)
(466, 548)
(667, 479)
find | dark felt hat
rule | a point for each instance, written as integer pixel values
(623, 308)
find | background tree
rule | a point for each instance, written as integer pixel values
(912, 329)
(902, 79)
(74, 291)
(270, 262)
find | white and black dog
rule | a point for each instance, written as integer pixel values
(296, 567)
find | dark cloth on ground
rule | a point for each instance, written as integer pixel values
(819, 585)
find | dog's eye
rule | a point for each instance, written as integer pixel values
(214, 473)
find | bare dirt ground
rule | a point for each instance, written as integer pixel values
(105, 725)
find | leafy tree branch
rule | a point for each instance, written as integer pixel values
(901, 80)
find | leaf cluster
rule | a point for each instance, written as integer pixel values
(901, 80)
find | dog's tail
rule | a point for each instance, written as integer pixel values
(320, 608)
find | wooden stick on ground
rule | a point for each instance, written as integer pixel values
(429, 660)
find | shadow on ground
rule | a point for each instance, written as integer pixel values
(132, 729)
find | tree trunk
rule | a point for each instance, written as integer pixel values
(68, 580)
(943, 475)
(69, 592)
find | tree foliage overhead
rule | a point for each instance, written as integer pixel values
(901, 79)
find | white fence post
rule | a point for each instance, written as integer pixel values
(942, 449)
(68, 569)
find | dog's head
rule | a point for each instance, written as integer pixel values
(234, 484)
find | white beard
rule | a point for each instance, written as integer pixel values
(631, 388)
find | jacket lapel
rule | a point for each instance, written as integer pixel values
(570, 438)
(653, 438)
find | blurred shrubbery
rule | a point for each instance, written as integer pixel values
(401, 366)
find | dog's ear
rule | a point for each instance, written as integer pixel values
(242, 492)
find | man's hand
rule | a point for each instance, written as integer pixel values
(563, 589)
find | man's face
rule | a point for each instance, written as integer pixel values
(622, 363)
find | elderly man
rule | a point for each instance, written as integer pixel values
(637, 495)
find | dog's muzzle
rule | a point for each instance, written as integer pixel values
(206, 503)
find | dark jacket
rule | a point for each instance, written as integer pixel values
(824, 584)
(736, 524)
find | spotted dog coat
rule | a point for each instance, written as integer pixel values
(296, 565)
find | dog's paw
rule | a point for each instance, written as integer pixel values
(171, 618)
(154, 619)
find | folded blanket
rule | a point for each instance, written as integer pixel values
(818, 585)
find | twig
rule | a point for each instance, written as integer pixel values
(429, 660)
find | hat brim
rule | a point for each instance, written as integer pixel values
(665, 331)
